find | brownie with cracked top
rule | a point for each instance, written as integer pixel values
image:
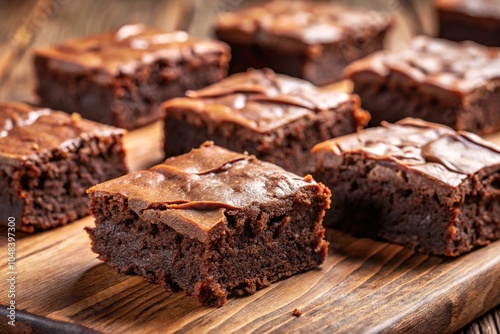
(461, 20)
(415, 183)
(211, 222)
(121, 78)
(455, 84)
(275, 117)
(309, 40)
(48, 159)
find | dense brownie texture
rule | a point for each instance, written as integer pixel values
(418, 184)
(275, 117)
(456, 84)
(211, 222)
(308, 40)
(477, 20)
(48, 159)
(121, 78)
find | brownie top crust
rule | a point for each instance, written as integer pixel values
(432, 149)
(292, 23)
(32, 133)
(430, 63)
(261, 100)
(195, 189)
(478, 8)
(125, 49)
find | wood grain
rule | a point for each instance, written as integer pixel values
(364, 286)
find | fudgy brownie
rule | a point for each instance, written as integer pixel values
(308, 40)
(275, 117)
(121, 78)
(477, 20)
(456, 84)
(211, 222)
(418, 184)
(48, 159)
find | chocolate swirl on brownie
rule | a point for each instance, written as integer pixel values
(126, 49)
(458, 68)
(261, 100)
(202, 184)
(433, 149)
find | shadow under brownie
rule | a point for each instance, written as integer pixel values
(48, 159)
(121, 78)
(415, 183)
(211, 222)
(275, 117)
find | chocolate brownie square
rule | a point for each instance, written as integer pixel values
(415, 183)
(121, 78)
(211, 222)
(304, 39)
(48, 159)
(456, 84)
(275, 117)
(477, 20)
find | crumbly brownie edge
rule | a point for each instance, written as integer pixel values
(456, 26)
(391, 102)
(480, 113)
(385, 200)
(73, 93)
(256, 237)
(285, 147)
(320, 68)
(388, 101)
(51, 193)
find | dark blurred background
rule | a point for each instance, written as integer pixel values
(27, 24)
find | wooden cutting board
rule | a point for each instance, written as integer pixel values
(364, 286)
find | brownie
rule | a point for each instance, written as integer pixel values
(48, 159)
(477, 20)
(308, 40)
(121, 78)
(414, 183)
(275, 117)
(455, 84)
(211, 222)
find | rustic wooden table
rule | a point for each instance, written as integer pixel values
(27, 24)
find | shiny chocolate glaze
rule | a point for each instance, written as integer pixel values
(478, 8)
(435, 66)
(432, 149)
(262, 100)
(125, 49)
(296, 24)
(33, 133)
(195, 189)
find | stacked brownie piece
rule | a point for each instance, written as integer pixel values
(276, 117)
(211, 222)
(48, 159)
(304, 39)
(456, 84)
(121, 78)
